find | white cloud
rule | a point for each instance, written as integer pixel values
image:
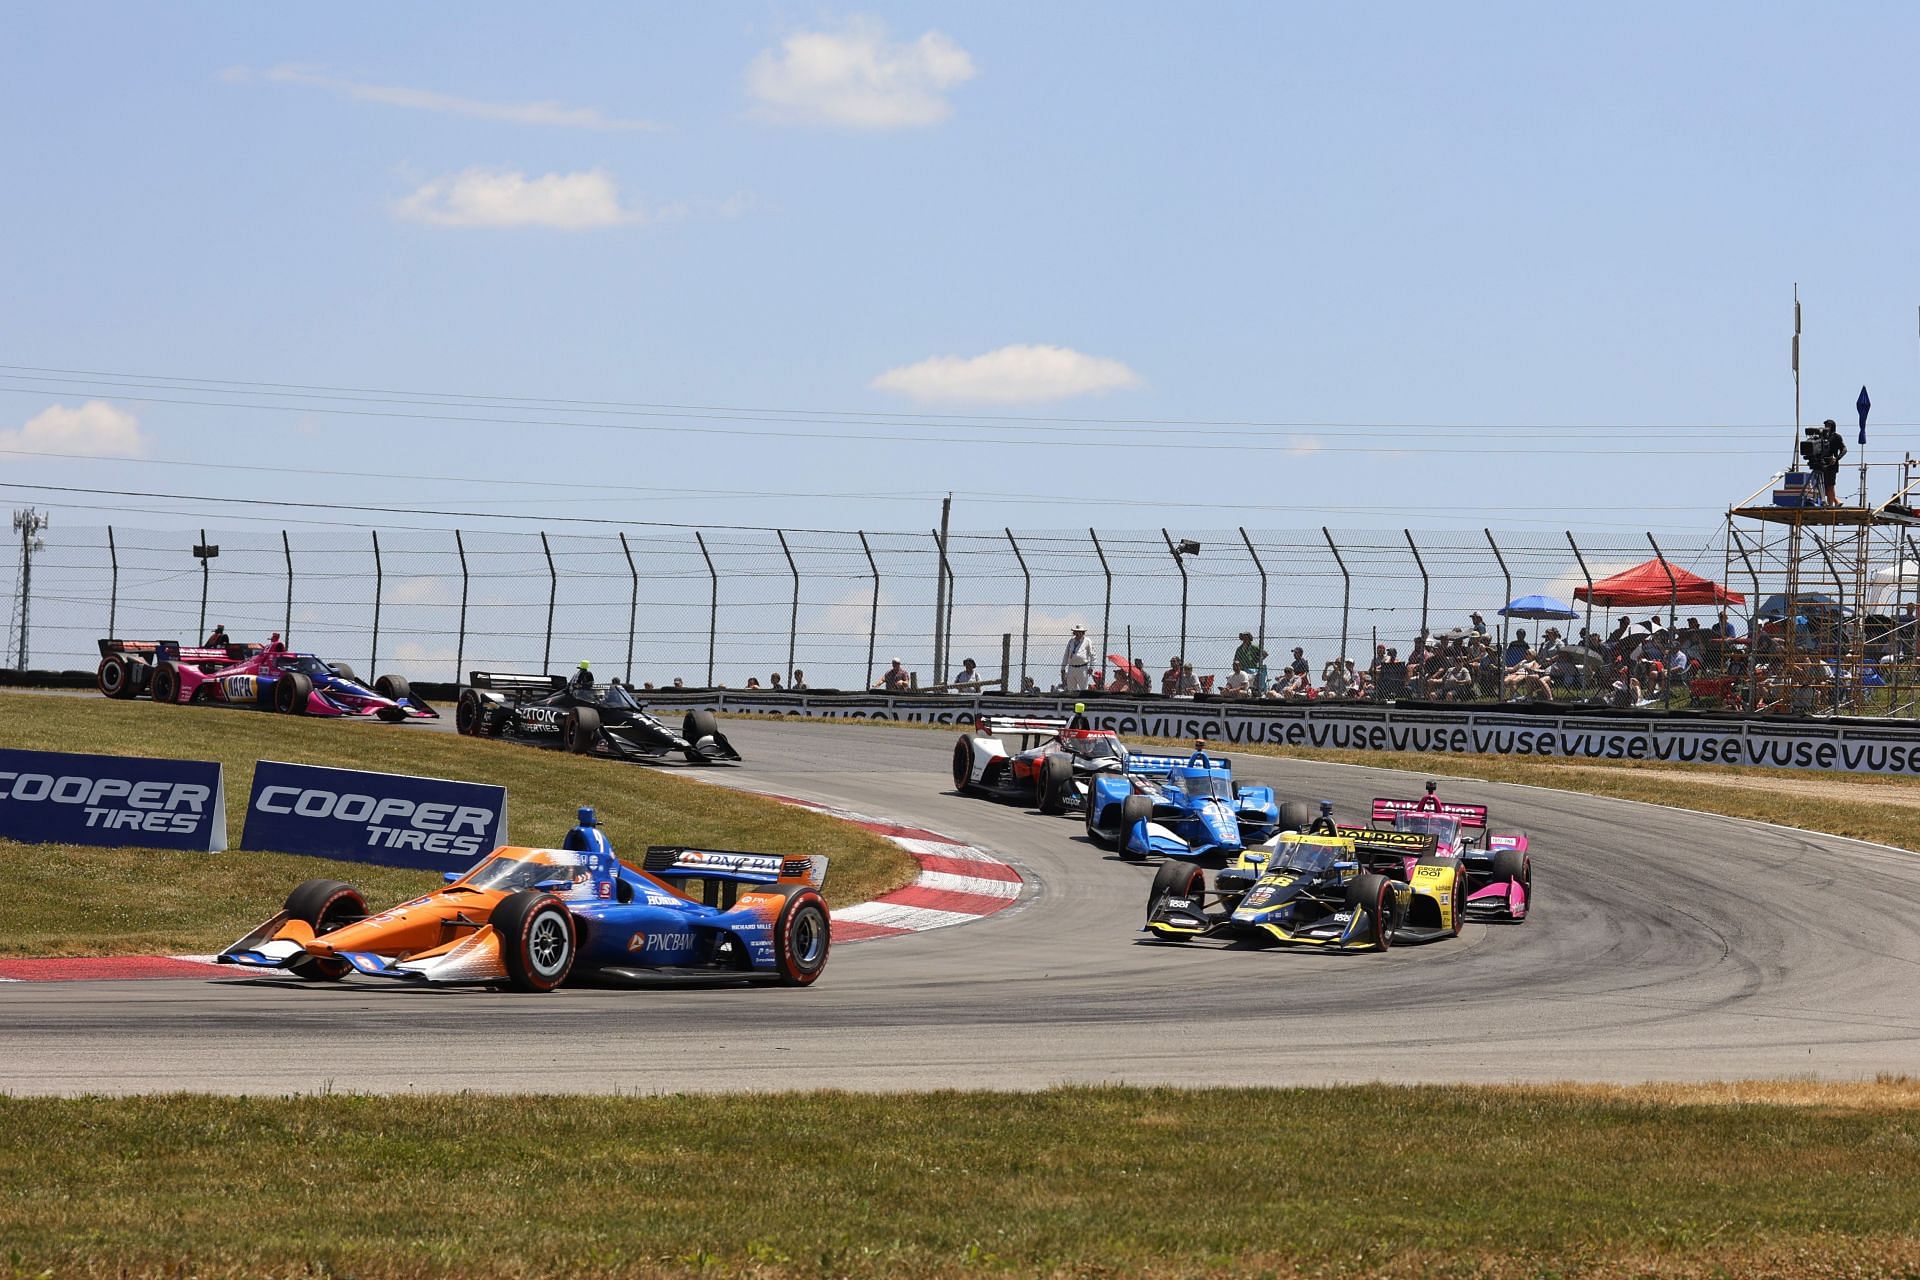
(1009, 375)
(542, 113)
(95, 430)
(856, 78)
(501, 198)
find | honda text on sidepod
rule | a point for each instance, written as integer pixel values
(532, 919)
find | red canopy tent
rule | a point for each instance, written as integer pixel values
(1648, 584)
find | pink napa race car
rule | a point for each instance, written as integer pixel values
(1499, 867)
(267, 678)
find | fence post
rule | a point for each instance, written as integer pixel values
(1502, 560)
(1673, 617)
(1752, 699)
(1026, 603)
(286, 549)
(379, 584)
(1181, 565)
(633, 601)
(1263, 594)
(1006, 665)
(793, 615)
(713, 608)
(943, 618)
(113, 592)
(205, 561)
(1426, 584)
(1346, 597)
(553, 597)
(460, 645)
(1106, 604)
(873, 617)
(1585, 573)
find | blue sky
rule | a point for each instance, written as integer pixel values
(1471, 231)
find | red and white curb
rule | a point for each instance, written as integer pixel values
(957, 884)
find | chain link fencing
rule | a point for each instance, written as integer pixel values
(723, 606)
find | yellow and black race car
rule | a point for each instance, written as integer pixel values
(1346, 888)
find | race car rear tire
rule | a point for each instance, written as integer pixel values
(344, 671)
(165, 682)
(325, 905)
(290, 693)
(120, 676)
(802, 937)
(1513, 866)
(468, 713)
(581, 729)
(1373, 894)
(536, 939)
(1056, 775)
(1297, 815)
(1133, 809)
(963, 762)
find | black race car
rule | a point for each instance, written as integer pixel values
(602, 720)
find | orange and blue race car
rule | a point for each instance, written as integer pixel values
(532, 919)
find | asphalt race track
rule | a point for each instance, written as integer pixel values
(1663, 946)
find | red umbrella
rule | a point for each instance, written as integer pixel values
(1126, 668)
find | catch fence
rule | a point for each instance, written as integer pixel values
(720, 606)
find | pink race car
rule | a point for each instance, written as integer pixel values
(1499, 867)
(265, 677)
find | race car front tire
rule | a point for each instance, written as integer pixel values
(699, 724)
(325, 905)
(580, 727)
(1515, 867)
(120, 676)
(1175, 879)
(344, 671)
(1056, 775)
(963, 762)
(1133, 809)
(394, 689)
(290, 694)
(165, 682)
(1297, 815)
(1374, 895)
(802, 937)
(536, 939)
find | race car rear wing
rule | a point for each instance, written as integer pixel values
(673, 862)
(1018, 726)
(174, 651)
(506, 682)
(1160, 766)
(1406, 844)
(1469, 815)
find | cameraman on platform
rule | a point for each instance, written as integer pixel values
(1823, 450)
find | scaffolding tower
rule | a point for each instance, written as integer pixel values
(1831, 618)
(27, 524)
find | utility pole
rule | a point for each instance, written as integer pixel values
(940, 594)
(27, 524)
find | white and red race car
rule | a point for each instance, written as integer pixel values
(1048, 763)
(1499, 867)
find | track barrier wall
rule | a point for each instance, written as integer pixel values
(1858, 746)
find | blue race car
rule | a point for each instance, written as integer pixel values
(1179, 809)
(532, 919)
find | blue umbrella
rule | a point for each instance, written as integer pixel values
(1541, 607)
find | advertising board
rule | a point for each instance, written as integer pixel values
(388, 819)
(62, 797)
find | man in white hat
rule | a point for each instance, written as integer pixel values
(1077, 662)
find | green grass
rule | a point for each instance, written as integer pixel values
(1083, 1182)
(74, 900)
(1863, 806)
